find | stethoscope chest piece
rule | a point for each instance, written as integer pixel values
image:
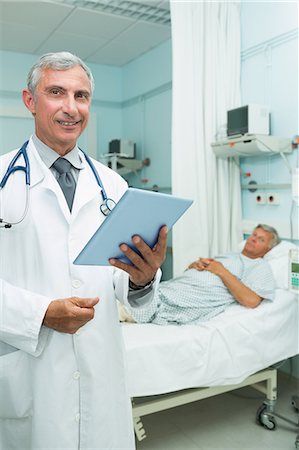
(107, 206)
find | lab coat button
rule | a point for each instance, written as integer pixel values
(76, 284)
(76, 375)
(77, 417)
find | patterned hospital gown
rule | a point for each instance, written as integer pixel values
(197, 296)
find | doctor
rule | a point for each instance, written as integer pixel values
(62, 378)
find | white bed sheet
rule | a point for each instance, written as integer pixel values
(224, 350)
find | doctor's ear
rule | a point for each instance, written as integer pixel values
(28, 100)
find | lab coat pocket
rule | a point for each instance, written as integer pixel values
(15, 386)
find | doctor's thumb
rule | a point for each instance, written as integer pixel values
(87, 302)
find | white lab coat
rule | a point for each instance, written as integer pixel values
(59, 391)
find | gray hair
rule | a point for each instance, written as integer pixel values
(275, 236)
(55, 61)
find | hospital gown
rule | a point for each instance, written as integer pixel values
(197, 296)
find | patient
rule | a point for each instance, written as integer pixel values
(210, 285)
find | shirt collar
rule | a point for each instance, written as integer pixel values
(49, 156)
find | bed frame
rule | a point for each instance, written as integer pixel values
(264, 381)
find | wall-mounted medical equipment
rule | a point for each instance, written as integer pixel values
(124, 147)
(253, 145)
(123, 165)
(294, 270)
(122, 157)
(249, 119)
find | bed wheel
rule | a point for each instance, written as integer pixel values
(139, 429)
(265, 418)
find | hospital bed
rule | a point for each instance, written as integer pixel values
(168, 366)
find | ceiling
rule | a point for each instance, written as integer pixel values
(112, 32)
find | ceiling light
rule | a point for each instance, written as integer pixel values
(147, 12)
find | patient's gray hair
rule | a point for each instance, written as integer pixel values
(55, 61)
(275, 236)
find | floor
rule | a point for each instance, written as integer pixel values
(225, 422)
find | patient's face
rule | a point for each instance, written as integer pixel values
(258, 244)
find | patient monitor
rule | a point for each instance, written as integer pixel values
(294, 270)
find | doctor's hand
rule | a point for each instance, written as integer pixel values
(144, 267)
(69, 314)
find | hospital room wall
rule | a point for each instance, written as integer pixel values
(269, 76)
(147, 94)
(133, 102)
(147, 115)
(16, 124)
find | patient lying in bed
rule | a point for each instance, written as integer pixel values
(209, 285)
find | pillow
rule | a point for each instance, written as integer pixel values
(278, 259)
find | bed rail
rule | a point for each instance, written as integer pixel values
(264, 381)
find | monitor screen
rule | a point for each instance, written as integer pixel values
(295, 267)
(237, 121)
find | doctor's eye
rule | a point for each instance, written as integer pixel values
(84, 95)
(54, 92)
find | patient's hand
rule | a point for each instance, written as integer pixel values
(216, 267)
(200, 264)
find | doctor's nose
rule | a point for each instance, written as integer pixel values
(69, 106)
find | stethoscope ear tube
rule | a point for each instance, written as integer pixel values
(108, 204)
(13, 168)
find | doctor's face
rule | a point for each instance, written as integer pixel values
(60, 107)
(258, 244)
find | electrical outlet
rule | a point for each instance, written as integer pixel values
(261, 199)
(273, 198)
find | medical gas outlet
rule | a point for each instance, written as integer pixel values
(267, 198)
(273, 198)
(261, 199)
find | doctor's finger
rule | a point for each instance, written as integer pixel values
(139, 271)
(84, 302)
(153, 256)
(136, 259)
(146, 252)
(128, 268)
(82, 315)
(161, 244)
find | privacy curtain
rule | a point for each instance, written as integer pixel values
(206, 83)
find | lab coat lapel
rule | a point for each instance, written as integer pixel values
(87, 189)
(37, 167)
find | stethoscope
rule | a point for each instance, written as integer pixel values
(106, 206)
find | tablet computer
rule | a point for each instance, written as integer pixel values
(137, 212)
